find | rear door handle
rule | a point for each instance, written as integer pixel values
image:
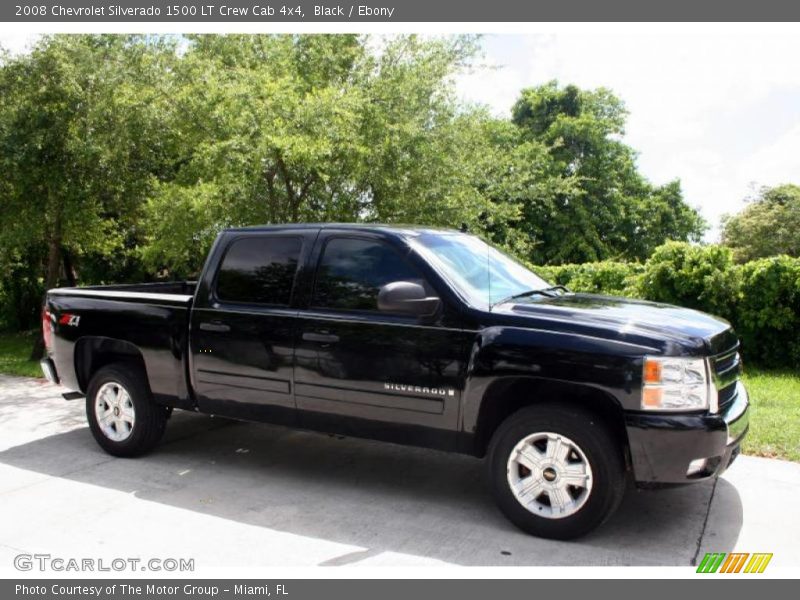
(323, 338)
(217, 326)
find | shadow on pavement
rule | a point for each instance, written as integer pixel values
(380, 497)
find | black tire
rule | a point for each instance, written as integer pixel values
(601, 450)
(150, 418)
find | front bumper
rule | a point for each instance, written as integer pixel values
(663, 446)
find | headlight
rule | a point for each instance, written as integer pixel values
(675, 384)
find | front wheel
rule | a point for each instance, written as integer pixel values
(122, 416)
(556, 472)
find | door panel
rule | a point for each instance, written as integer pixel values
(380, 371)
(243, 341)
(365, 373)
(247, 371)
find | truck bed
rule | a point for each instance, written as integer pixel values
(148, 321)
(180, 292)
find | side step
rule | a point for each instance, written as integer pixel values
(73, 395)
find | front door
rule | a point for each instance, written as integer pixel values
(368, 373)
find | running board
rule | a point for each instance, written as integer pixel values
(72, 395)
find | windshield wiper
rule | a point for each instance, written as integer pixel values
(549, 292)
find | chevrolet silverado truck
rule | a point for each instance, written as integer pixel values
(419, 336)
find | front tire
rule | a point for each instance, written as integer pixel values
(556, 472)
(122, 416)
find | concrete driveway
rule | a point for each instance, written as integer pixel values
(232, 494)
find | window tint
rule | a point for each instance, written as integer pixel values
(259, 270)
(352, 271)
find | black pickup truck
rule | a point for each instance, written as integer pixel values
(418, 336)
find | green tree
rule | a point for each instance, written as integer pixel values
(313, 128)
(602, 207)
(768, 226)
(515, 173)
(79, 124)
(123, 156)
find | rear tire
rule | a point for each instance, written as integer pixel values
(122, 416)
(556, 471)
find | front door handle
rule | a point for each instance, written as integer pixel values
(322, 338)
(216, 326)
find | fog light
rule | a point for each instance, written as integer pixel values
(698, 465)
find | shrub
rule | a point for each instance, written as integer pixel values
(760, 298)
(767, 314)
(21, 294)
(700, 277)
(606, 277)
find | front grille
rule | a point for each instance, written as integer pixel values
(725, 362)
(726, 397)
(727, 369)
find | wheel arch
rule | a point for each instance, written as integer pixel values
(507, 395)
(92, 353)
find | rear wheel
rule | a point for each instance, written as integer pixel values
(556, 472)
(122, 416)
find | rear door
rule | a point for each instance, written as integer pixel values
(243, 327)
(368, 373)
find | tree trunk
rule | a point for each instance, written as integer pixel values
(50, 279)
(53, 257)
(69, 268)
(37, 352)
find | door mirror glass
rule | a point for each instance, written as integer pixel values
(407, 298)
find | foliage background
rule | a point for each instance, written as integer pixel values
(122, 156)
(761, 298)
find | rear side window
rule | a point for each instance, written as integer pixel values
(352, 271)
(259, 270)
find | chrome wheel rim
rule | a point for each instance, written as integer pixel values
(113, 408)
(549, 475)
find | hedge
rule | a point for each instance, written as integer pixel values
(608, 277)
(760, 298)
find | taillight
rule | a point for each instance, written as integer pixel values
(47, 328)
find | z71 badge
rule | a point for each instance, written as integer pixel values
(69, 319)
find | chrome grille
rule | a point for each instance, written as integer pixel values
(726, 371)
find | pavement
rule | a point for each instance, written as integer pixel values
(234, 494)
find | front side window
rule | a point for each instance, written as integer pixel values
(259, 270)
(352, 271)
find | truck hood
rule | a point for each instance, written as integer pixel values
(672, 329)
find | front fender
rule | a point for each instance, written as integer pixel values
(550, 361)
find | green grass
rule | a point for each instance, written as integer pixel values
(15, 348)
(774, 414)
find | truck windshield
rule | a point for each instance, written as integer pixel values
(483, 274)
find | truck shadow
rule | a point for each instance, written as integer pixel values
(380, 497)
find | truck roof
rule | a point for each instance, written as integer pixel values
(393, 229)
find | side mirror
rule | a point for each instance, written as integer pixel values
(407, 298)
